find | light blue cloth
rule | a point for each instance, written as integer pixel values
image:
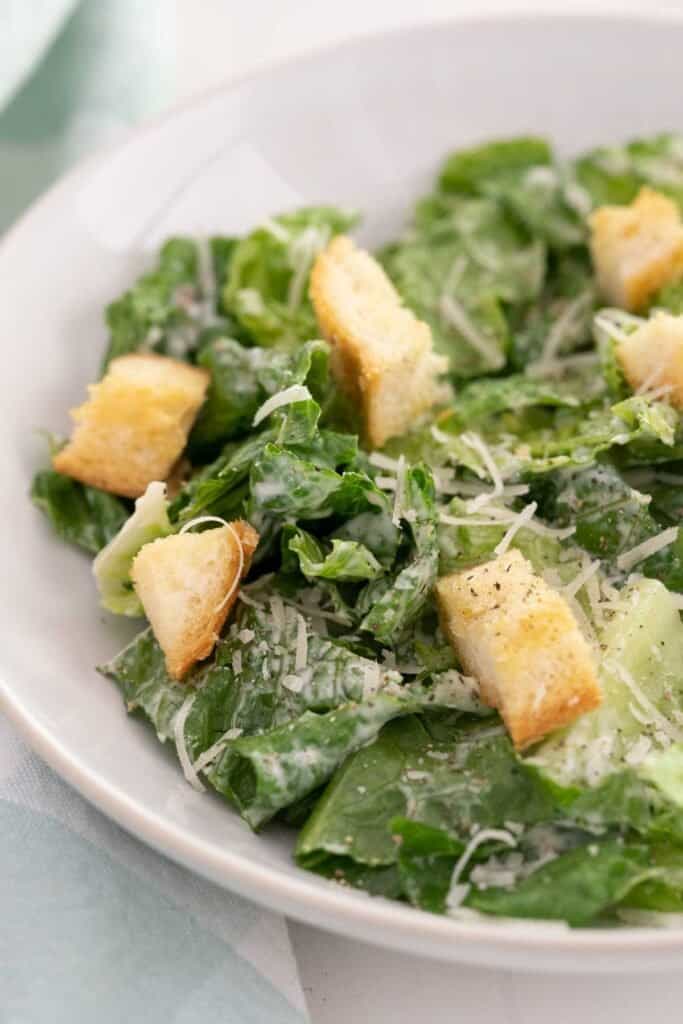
(97, 928)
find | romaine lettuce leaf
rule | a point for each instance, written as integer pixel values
(161, 312)
(576, 887)
(112, 565)
(467, 169)
(641, 654)
(347, 560)
(243, 378)
(457, 268)
(392, 602)
(614, 174)
(610, 518)
(267, 285)
(469, 780)
(80, 515)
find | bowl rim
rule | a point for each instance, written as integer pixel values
(328, 905)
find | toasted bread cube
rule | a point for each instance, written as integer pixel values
(652, 357)
(382, 354)
(636, 249)
(187, 585)
(134, 425)
(518, 637)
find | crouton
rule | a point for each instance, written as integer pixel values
(652, 357)
(518, 637)
(187, 585)
(134, 425)
(382, 354)
(636, 249)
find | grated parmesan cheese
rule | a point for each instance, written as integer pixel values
(651, 716)
(301, 657)
(210, 755)
(477, 444)
(237, 579)
(651, 546)
(400, 485)
(384, 462)
(521, 520)
(179, 737)
(454, 315)
(558, 367)
(455, 894)
(293, 683)
(565, 327)
(295, 393)
(582, 577)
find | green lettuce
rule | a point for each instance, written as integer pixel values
(112, 565)
(80, 515)
(267, 283)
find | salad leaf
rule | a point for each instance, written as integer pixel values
(267, 286)
(243, 378)
(560, 322)
(112, 565)
(614, 174)
(390, 603)
(459, 266)
(154, 314)
(576, 887)
(520, 173)
(610, 518)
(470, 779)
(485, 398)
(348, 559)
(466, 169)
(641, 654)
(140, 671)
(80, 515)
(264, 773)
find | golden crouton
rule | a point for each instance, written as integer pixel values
(382, 354)
(636, 249)
(652, 357)
(187, 585)
(518, 637)
(134, 424)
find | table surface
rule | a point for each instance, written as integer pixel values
(345, 980)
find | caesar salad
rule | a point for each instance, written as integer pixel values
(405, 526)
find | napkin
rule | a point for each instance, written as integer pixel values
(96, 926)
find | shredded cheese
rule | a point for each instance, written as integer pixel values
(210, 755)
(301, 657)
(582, 577)
(558, 367)
(655, 717)
(384, 462)
(293, 683)
(240, 569)
(454, 315)
(521, 520)
(400, 485)
(179, 737)
(485, 835)
(477, 444)
(295, 393)
(565, 327)
(627, 559)
(440, 436)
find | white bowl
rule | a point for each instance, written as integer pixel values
(365, 125)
